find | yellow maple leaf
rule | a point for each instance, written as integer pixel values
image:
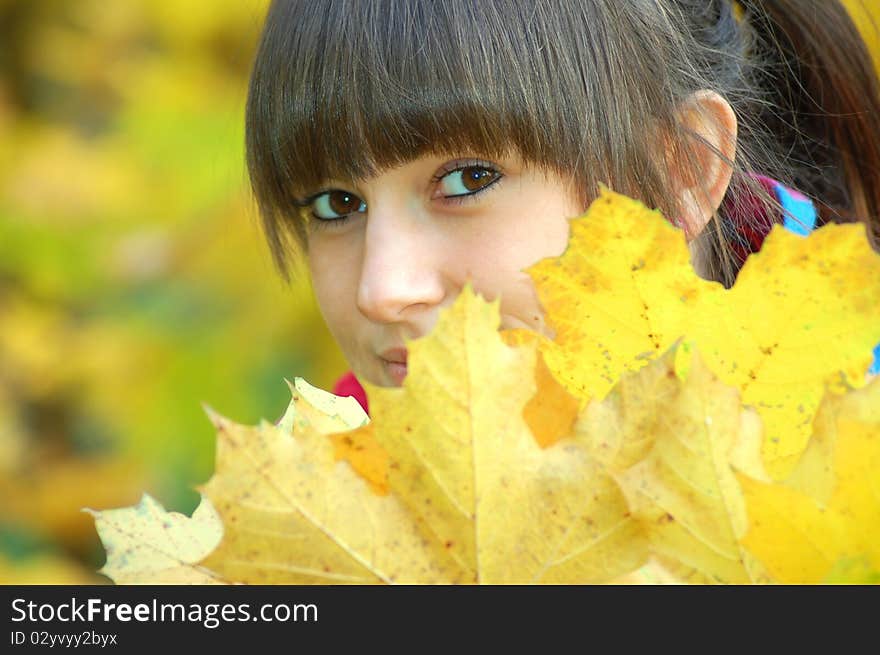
(510, 458)
(620, 294)
(466, 492)
(804, 313)
(147, 545)
(552, 411)
(672, 445)
(467, 465)
(293, 513)
(824, 523)
(324, 411)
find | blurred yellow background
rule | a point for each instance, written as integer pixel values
(134, 282)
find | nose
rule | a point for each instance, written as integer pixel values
(401, 276)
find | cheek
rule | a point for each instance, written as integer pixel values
(523, 238)
(335, 292)
(497, 271)
(532, 236)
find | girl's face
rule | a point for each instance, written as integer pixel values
(386, 254)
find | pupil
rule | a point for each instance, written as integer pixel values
(343, 203)
(475, 178)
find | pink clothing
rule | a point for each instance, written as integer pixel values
(348, 385)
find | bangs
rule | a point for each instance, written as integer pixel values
(342, 89)
(358, 87)
(385, 83)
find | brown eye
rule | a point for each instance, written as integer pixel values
(475, 178)
(343, 202)
(467, 181)
(336, 204)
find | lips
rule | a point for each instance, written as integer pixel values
(394, 363)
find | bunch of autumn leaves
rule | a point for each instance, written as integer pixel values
(672, 431)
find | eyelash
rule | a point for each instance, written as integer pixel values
(337, 223)
(460, 166)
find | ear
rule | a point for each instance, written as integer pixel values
(699, 170)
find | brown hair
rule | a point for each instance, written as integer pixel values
(585, 88)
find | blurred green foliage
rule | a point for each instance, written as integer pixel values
(134, 282)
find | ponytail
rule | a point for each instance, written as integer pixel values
(822, 101)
